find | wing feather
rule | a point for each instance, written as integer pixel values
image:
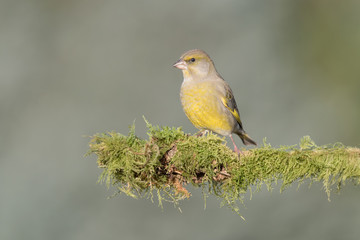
(229, 102)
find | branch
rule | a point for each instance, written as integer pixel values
(170, 159)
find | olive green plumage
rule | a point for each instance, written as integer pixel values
(207, 99)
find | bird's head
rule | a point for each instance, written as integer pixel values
(195, 65)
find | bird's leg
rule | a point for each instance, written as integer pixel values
(235, 147)
(202, 133)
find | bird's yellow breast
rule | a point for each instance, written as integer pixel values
(202, 104)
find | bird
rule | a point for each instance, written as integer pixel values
(207, 99)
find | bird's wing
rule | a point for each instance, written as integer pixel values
(229, 102)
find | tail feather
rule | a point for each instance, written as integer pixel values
(246, 139)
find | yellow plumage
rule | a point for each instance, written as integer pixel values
(207, 99)
(201, 106)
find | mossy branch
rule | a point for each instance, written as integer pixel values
(170, 159)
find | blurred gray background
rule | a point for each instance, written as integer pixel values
(70, 69)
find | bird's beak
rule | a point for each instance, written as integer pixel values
(181, 64)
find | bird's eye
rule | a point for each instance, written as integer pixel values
(192, 60)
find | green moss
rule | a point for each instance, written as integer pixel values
(170, 159)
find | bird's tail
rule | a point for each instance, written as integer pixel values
(246, 139)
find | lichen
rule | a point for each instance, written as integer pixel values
(169, 160)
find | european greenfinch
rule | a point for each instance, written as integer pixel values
(207, 99)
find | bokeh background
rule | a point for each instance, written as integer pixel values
(70, 69)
